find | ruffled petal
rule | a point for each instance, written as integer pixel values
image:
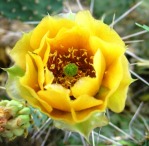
(113, 75)
(116, 101)
(77, 38)
(47, 108)
(110, 81)
(34, 75)
(18, 91)
(49, 77)
(31, 74)
(56, 96)
(33, 99)
(110, 51)
(61, 116)
(99, 65)
(39, 67)
(85, 102)
(85, 85)
(98, 28)
(79, 116)
(44, 49)
(51, 25)
(20, 50)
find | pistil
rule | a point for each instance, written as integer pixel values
(70, 69)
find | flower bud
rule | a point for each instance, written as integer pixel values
(14, 119)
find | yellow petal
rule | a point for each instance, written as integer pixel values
(56, 96)
(79, 116)
(85, 102)
(20, 50)
(61, 116)
(116, 101)
(113, 75)
(107, 34)
(30, 82)
(88, 85)
(31, 74)
(77, 38)
(98, 28)
(49, 77)
(32, 98)
(99, 65)
(85, 85)
(46, 108)
(111, 81)
(110, 51)
(40, 69)
(44, 49)
(51, 24)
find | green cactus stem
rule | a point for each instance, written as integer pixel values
(29, 10)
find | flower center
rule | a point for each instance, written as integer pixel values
(70, 69)
(68, 66)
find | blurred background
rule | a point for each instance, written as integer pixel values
(129, 128)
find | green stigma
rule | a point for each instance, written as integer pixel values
(70, 69)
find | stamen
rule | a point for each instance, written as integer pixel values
(69, 66)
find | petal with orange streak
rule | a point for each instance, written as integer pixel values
(61, 116)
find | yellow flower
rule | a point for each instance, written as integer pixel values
(72, 67)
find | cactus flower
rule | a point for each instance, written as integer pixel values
(71, 68)
(14, 119)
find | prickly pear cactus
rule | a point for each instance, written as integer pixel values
(38, 119)
(14, 119)
(29, 9)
